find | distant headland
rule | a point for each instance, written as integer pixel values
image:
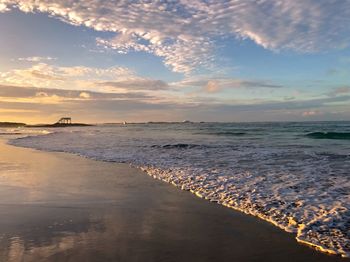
(11, 124)
(63, 122)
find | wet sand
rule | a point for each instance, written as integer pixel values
(61, 207)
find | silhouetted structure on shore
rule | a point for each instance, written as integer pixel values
(65, 121)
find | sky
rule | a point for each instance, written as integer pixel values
(200, 60)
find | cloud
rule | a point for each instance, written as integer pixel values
(339, 91)
(21, 93)
(36, 58)
(17, 111)
(3, 7)
(137, 84)
(310, 104)
(80, 77)
(217, 84)
(47, 103)
(84, 95)
(30, 104)
(180, 55)
(184, 32)
(40, 75)
(311, 113)
(212, 86)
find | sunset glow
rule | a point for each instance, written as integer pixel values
(110, 61)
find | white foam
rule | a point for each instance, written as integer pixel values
(22, 132)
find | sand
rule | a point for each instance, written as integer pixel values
(61, 207)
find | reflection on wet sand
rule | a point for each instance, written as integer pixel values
(59, 207)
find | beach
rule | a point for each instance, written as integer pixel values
(174, 130)
(62, 207)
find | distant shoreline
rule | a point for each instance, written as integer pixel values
(12, 124)
(59, 125)
(16, 125)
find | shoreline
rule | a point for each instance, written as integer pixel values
(103, 193)
(319, 248)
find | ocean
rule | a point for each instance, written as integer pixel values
(294, 175)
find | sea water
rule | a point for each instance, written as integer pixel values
(294, 175)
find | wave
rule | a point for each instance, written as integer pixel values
(330, 135)
(223, 133)
(179, 146)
